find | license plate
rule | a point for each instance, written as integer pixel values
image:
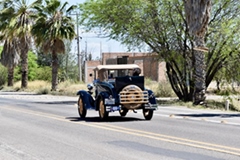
(110, 101)
(115, 108)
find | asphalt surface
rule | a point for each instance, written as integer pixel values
(48, 127)
(179, 112)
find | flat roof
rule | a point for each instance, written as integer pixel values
(117, 66)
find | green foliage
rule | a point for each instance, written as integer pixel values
(162, 27)
(32, 68)
(67, 63)
(3, 73)
(52, 26)
(223, 40)
(44, 73)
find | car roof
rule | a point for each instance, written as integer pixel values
(116, 66)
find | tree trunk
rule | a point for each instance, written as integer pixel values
(199, 74)
(10, 76)
(24, 64)
(197, 16)
(54, 71)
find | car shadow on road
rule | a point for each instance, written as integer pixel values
(209, 115)
(109, 119)
(57, 102)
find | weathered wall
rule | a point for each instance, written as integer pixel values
(89, 66)
(150, 66)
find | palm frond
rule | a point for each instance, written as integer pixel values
(53, 27)
(10, 53)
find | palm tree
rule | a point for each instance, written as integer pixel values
(16, 19)
(51, 28)
(10, 58)
(197, 16)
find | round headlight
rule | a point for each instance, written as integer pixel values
(90, 86)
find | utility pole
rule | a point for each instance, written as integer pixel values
(86, 54)
(78, 49)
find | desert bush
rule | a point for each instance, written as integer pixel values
(34, 86)
(70, 87)
(164, 89)
(161, 89)
(44, 73)
(43, 90)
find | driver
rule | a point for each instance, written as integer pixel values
(136, 72)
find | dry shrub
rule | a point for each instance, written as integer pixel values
(44, 87)
(160, 89)
(70, 88)
(164, 89)
(34, 86)
(234, 104)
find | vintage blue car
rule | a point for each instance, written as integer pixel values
(117, 88)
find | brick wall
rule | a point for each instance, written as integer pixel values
(115, 55)
(150, 66)
(89, 66)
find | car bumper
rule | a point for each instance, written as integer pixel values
(151, 106)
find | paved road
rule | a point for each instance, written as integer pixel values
(48, 127)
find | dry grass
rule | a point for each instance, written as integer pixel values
(34, 86)
(70, 88)
(160, 89)
(43, 87)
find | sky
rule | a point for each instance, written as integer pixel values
(91, 41)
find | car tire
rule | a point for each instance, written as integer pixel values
(103, 114)
(81, 109)
(123, 112)
(148, 114)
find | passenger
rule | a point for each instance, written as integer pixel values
(136, 72)
(111, 76)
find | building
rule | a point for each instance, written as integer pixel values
(150, 65)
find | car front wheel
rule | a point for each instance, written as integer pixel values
(81, 109)
(103, 114)
(147, 114)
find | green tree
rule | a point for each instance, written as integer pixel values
(197, 18)
(67, 64)
(16, 19)
(51, 28)
(222, 40)
(164, 26)
(10, 58)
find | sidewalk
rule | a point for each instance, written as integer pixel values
(207, 115)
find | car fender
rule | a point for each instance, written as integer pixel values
(87, 99)
(152, 98)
